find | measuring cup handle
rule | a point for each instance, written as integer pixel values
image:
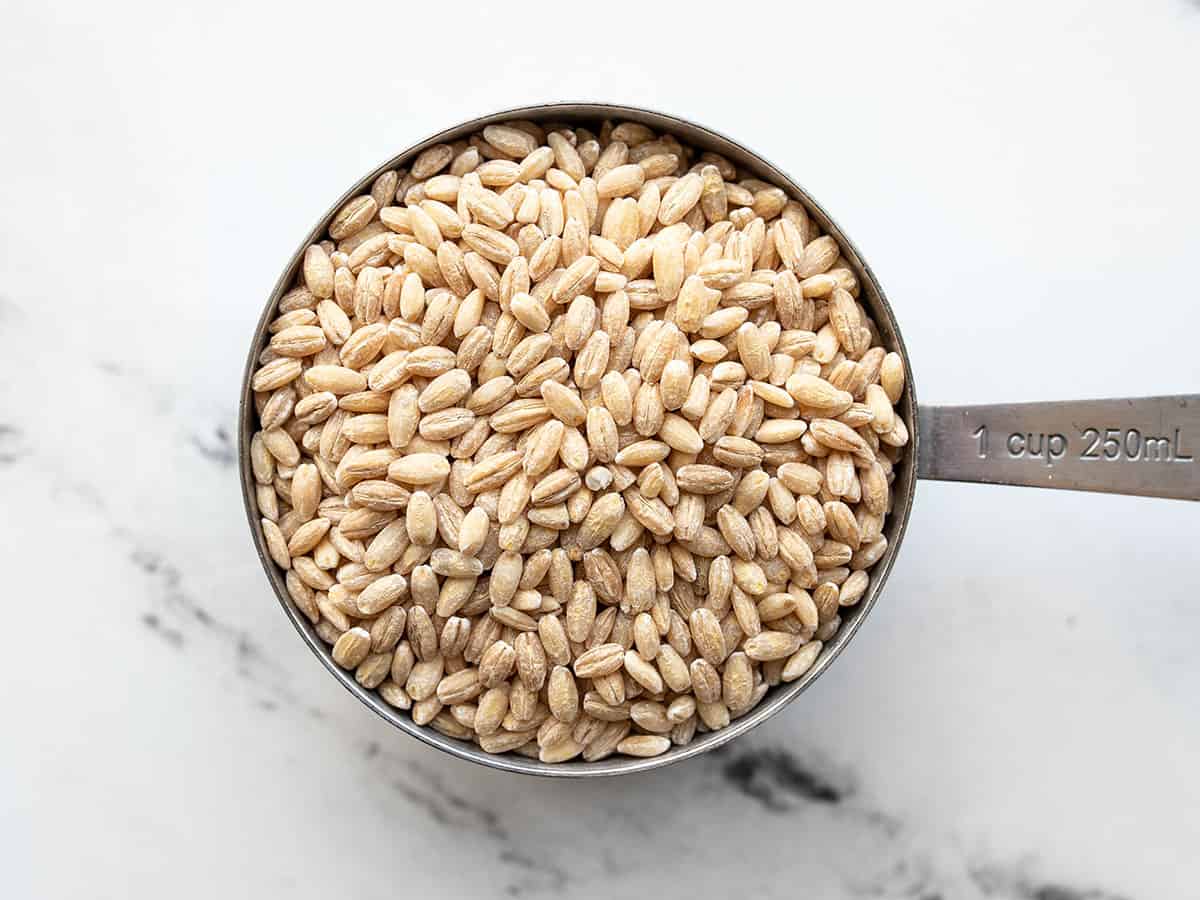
(1148, 446)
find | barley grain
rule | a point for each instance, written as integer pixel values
(632, 413)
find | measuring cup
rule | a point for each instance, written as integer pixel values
(1146, 446)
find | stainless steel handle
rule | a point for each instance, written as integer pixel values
(1148, 446)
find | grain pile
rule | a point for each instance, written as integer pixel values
(574, 443)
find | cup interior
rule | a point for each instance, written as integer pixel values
(872, 296)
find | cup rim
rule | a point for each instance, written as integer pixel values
(903, 487)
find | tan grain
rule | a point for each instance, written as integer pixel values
(573, 443)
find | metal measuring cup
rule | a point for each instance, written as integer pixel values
(1147, 446)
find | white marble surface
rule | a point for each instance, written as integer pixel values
(1019, 717)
